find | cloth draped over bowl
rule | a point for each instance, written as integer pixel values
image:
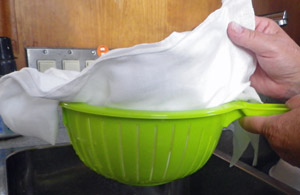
(189, 70)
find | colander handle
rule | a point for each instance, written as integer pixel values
(242, 109)
(254, 109)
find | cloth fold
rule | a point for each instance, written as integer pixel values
(197, 69)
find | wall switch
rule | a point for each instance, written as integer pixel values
(89, 62)
(44, 65)
(71, 65)
(63, 58)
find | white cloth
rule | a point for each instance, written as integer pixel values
(201, 68)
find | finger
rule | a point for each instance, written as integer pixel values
(248, 39)
(294, 102)
(254, 124)
(266, 25)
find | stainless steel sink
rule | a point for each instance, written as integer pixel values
(57, 170)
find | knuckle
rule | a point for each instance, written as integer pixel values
(275, 47)
(251, 35)
(273, 132)
(271, 129)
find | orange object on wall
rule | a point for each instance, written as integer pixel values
(102, 49)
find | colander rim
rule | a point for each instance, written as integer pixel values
(149, 114)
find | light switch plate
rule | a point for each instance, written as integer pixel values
(59, 55)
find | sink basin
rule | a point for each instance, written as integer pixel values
(58, 170)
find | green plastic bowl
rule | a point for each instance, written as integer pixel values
(148, 148)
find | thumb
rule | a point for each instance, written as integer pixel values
(255, 124)
(247, 38)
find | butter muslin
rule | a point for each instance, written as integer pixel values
(197, 69)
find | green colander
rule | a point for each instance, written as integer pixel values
(148, 148)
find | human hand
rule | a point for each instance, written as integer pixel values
(281, 131)
(278, 70)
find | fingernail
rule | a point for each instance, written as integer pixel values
(236, 27)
